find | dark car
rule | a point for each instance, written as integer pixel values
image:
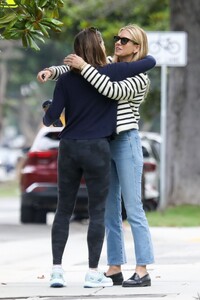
(38, 180)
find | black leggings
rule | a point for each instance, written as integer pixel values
(77, 158)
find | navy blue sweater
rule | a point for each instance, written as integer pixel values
(88, 114)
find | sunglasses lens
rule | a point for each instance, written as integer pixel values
(124, 41)
(116, 38)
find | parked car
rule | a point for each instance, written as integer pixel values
(38, 179)
(154, 140)
(152, 175)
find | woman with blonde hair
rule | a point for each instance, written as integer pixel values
(131, 45)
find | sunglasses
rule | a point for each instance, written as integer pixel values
(123, 40)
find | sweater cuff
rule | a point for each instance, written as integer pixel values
(53, 73)
(84, 70)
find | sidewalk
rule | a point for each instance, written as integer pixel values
(25, 261)
(179, 282)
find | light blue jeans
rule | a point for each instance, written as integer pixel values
(126, 176)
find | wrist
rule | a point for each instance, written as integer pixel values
(49, 69)
(81, 67)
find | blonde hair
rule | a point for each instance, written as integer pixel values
(140, 37)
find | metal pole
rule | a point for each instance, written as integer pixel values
(163, 122)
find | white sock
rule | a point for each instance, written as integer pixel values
(93, 270)
(57, 268)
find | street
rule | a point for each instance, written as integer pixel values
(26, 251)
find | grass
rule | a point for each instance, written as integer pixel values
(176, 216)
(9, 189)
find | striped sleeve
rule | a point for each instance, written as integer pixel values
(121, 90)
(57, 71)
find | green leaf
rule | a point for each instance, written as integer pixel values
(42, 3)
(7, 18)
(31, 42)
(13, 34)
(39, 13)
(9, 26)
(51, 21)
(39, 38)
(56, 22)
(43, 29)
(29, 25)
(25, 41)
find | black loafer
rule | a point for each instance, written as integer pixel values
(116, 278)
(136, 281)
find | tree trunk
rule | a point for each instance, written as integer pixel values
(7, 52)
(183, 111)
(3, 82)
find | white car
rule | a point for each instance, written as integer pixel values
(152, 142)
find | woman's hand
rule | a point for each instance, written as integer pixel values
(44, 75)
(74, 61)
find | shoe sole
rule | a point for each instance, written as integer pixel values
(147, 283)
(57, 284)
(95, 285)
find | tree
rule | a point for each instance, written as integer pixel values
(8, 51)
(108, 16)
(29, 21)
(183, 138)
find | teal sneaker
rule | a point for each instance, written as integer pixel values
(57, 279)
(95, 279)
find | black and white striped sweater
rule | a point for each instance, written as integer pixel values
(129, 93)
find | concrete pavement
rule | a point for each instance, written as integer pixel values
(168, 282)
(175, 275)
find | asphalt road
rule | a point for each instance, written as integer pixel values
(171, 245)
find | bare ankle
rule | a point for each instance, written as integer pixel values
(113, 270)
(141, 270)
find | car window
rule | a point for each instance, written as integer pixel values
(49, 141)
(145, 152)
(156, 149)
(53, 136)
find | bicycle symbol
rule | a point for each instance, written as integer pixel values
(167, 44)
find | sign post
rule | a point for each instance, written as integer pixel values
(169, 49)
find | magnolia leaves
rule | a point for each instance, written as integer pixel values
(31, 21)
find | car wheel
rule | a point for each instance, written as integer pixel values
(40, 217)
(27, 214)
(31, 215)
(150, 205)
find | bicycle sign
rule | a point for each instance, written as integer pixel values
(167, 44)
(168, 48)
